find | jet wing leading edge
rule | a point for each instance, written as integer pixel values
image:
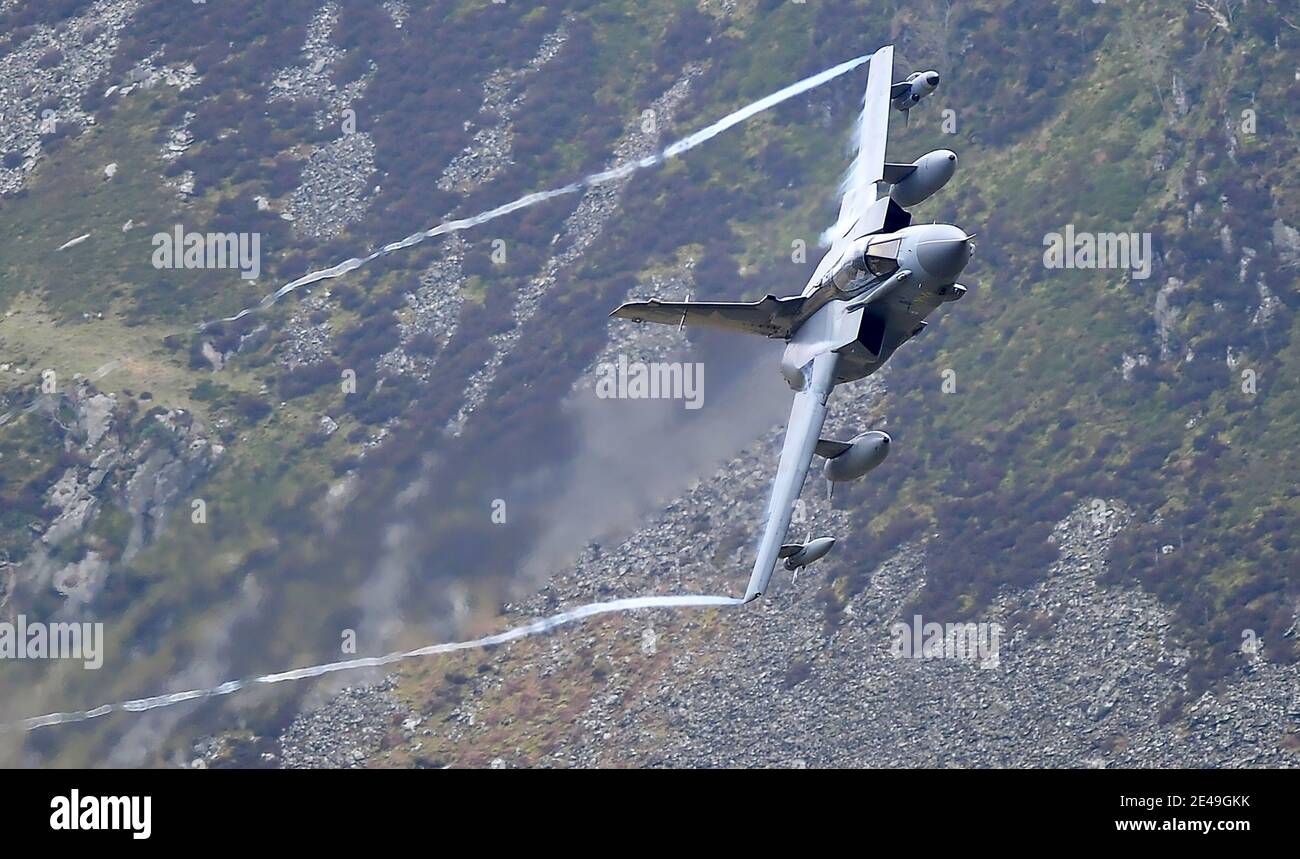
(807, 416)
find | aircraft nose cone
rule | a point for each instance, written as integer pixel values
(932, 78)
(943, 259)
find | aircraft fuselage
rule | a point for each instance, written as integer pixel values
(876, 298)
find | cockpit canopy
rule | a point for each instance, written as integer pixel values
(881, 257)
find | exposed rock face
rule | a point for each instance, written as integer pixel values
(335, 189)
(580, 230)
(808, 677)
(146, 75)
(1082, 677)
(146, 479)
(1166, 315)
(154, 488)
(179, 138)
(1269, 305)
(1286, 239)
(432, 317)
(75, 494)
(811, 676)
(489, 152)
(306, 336)
(398, 11)
(1129, 363)
(345, 732)
(310, 79)
(72, 497)
(56, 65)
(434, 308)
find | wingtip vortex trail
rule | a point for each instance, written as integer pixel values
(619, 171)
(535, 627)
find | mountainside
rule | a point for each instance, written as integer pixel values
(1099, 459)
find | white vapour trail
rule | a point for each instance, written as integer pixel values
(671, 151)
(536, 627)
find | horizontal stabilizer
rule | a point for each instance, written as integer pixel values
(829, 449)
(770, 316)
(789, 549)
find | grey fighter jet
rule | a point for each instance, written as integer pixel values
(881, 277)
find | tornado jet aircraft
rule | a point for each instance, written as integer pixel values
(871, 293)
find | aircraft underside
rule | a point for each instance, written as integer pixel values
(881, 276)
